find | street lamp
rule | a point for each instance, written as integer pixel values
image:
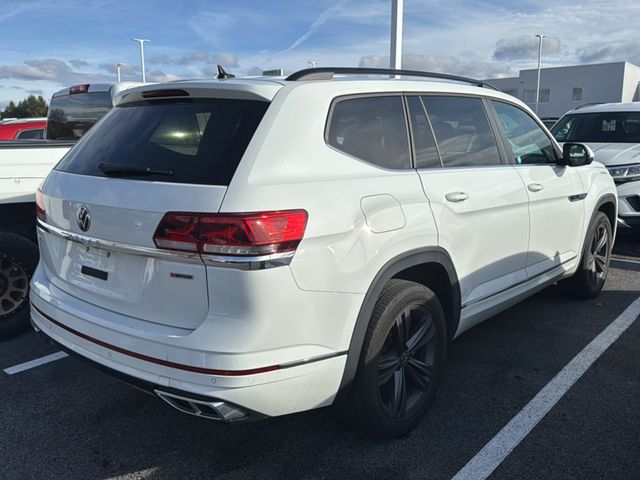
(141, 42)
(395, 58)
(118, 66)
(540, 37)
(312, 63)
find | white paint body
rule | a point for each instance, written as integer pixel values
(360, 218)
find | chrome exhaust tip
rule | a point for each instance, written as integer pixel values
(212, 410)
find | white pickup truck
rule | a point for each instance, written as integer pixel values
(23, 165)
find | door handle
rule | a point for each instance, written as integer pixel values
(534, 187)
(456, 196)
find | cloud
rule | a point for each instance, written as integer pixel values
(35, 92)
(524, 47)
(125, 68)
(161, 77)
(436, 63)
(211, 27)
(78, 63)
(313, 28)
(51, 69)
(197, 57)
(618, 51)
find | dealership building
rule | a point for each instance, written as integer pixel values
(565, 88)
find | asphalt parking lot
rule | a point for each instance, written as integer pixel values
(65, 420)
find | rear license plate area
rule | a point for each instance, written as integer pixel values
(94, 272)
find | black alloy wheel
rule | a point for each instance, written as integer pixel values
(406, 363)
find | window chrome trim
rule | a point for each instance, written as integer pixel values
(259, 262)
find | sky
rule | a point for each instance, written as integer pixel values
(48, 45)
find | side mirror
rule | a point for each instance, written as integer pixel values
(576, 154)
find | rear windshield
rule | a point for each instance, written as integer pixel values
(616, 127)
(191, 141)
(70, 116)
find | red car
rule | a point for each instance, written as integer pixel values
(22, 128)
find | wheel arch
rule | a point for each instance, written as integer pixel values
(607, 205)
(431, 267)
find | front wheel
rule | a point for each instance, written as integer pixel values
(594, 266)
(401, 362)
(18, 260)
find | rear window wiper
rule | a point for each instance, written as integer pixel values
(115, 169)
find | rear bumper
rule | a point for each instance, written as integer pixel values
(160, 361)
(234, 413)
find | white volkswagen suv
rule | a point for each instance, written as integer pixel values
(257, 247)
(612, 130)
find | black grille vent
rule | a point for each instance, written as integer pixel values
(634, 202)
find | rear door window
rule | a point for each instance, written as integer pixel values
(70, 116)
(192, 141)
(372, 129)
(462, 131)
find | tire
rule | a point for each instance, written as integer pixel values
(594, 264)
(18, 260)
(404, 351)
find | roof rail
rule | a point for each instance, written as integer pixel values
(327, 73)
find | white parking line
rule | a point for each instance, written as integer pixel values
(625, 260)
(500, 446)
(34, 363)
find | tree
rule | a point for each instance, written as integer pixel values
(31, 106)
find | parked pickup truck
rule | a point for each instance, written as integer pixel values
(23, 165)
(23, 128)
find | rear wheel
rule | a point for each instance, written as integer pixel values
(401, 362)
(18, 259)
(594, 266)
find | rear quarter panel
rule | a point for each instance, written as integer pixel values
(288, 165)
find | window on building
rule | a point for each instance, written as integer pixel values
(576, 95)
(512, 92)
(529, 96)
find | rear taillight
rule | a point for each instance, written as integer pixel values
(40, 213)
(79, 89)
(165, 93)
(236, 234)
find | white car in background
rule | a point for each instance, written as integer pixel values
(23, 166)
(257, 247)
(612, 130)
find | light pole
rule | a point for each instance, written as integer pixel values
(141, 42)
(395, 58)
(118, 66)
(313, 63)
(540, 37)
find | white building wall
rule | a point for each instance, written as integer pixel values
(600, 83)
(631, 88)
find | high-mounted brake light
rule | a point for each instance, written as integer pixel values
(165, 93)
(79, 89)
(236, 234)
(40, 212)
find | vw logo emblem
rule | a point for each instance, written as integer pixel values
(84, 219)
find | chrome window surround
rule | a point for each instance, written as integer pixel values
(259, 262)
